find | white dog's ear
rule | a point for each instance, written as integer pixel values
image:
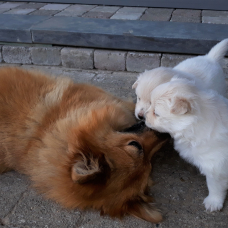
(181, 106)
(135, 84)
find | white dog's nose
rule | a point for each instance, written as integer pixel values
(140, 116)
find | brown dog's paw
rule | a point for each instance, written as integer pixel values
(145, 211)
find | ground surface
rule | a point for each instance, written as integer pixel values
(179, 189)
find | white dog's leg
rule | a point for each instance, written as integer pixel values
(217, 192)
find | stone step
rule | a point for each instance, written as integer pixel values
(153, 36)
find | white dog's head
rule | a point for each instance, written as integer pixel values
(173, 106)
(145, 84)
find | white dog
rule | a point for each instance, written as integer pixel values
(197, 119)
(205, 69)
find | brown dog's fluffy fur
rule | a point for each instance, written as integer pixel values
(66, 137)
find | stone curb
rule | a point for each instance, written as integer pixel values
(88, 58)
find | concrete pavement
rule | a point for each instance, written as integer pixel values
(179, 189)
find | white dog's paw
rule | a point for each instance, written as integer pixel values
(213, 203)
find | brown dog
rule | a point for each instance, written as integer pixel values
(66, 137)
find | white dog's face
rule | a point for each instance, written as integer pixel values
(145, 84)
(171, 108)
(143, 100)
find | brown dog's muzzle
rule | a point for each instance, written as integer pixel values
(141, 127)
(136, 128)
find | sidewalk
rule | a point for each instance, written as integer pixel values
(179, 189)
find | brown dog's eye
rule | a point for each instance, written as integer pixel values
(135, 144)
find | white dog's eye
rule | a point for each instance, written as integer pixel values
(155, 114)
(138, 98)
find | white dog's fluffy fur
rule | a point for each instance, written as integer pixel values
(197, 119)
(205, 70)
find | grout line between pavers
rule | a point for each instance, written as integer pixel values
(201, 16)
(125, 61)
(160, 59)
(88, 10)
(62, 10)
(143, 13)
(18, 201)
(95, 75)
(171, 14)
(93, 59)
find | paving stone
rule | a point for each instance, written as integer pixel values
(46, 56)
(117, 83)
(108, 9)
(12, 187)
(78, 76)
(139, 62)
(101, 12)
(76, 10)
(214, 13)
(81, 58)
(110, 60)
(157, 14)
(171, 60)
(4, 10)
(32, 203)
(102, 15)
(129, 13)
(31, 5)
(10, 64)
(10, 5)
(55, 7)
(20, 11)
(16, 54)
(185, 15)
(215, 20)
(215, 17)
(44, 12)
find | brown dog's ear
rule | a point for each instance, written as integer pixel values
(89, 170)
(144, 211)
(85, 170)
(135, 84)
(181, 106)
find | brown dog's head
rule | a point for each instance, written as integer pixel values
(106, 169)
